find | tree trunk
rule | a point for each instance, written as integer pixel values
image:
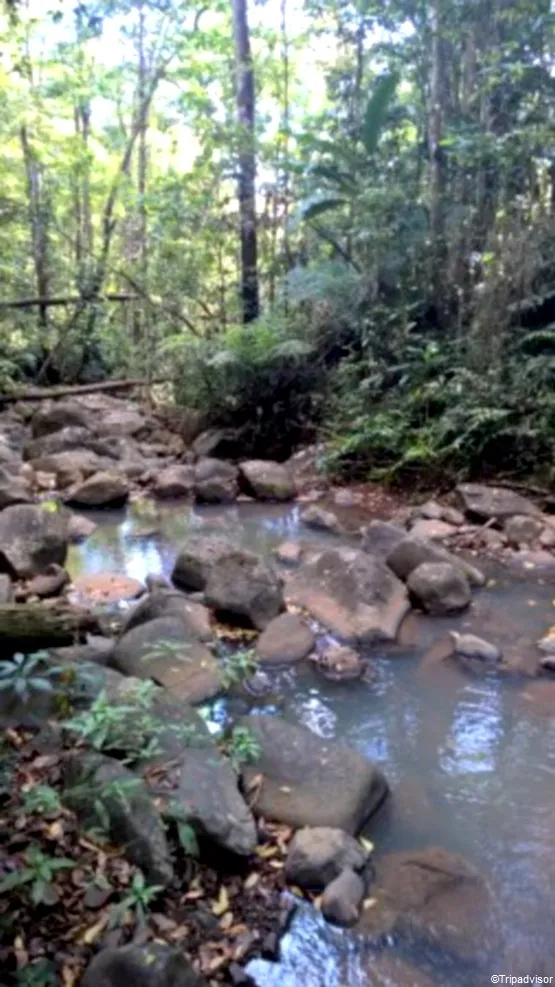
(437, 158)
(244, 88)
(28, 627)
(38, 220)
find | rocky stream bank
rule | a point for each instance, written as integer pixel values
(273, 816)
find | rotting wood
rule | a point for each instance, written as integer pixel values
(42, 393)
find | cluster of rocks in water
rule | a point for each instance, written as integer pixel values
(359, 589)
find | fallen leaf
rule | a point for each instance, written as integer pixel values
(296, 891)
(285, 789)
(226, 921)
(268, 850)
(366, 844)
(90, 935)
(369, 903)
(20, 953)
(251, 881)
(55, 831)
(222, 904)
(276, 864)
(255, 783)
(69, 977)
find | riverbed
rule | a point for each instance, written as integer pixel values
(470, 757)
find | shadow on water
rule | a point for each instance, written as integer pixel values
(470, 759)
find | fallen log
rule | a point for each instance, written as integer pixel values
(28, 627)
(42, 393)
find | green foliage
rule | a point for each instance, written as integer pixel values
(39, 871)
(242, 748)
(238, 666)
(23, 676)
(138, 902)
(42, 800)
(41, 973)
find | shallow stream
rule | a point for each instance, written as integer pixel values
(470, 758)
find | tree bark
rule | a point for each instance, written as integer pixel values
(28, 627)
(244, 88)
(41, 393)
(37, 208)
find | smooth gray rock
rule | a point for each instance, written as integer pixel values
(31, 538)
(197, 558)
(343, 897)
(439, 588)
(318, 854)
(170, 603)
(412, 552)
(107, 488)
(381, 537)
(287, 639)
(243, 588)
(266, 480)
(215, 482)
(152, 965)
(493, 503)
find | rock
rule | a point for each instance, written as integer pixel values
(243, 588)
(206, 792)
(70, 466)
(217, 442)
(432, 511)
(310, 782)
(215, 482)
(155, 581)
(48, 583)
(547, 643)
(174, 481)
(533, 559)
(153, 965)
(547, 537)
(169, 603)
(133, 819)
(107, 587)
(320, 519)
(105, 489)
(439, 588)
(6, 588)
(412, 552)
(69, 438)
(387, 970)
(31, 539)
(289, 553)
(319, 854)
(166, 651)
(52, 417)
(434, 530)
(434, 898)
(121, 423)
(493, 503)
(343, 897)
(196, 560)
(352, 593)
(13, 490)
(79, 528)
(547, 663)
(381, 537)
(340, 664)
(523, 529)
(266, 480)
(286, 639)
(471, 646)
(347, 498)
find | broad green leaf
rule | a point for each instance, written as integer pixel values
(376, 110)
(346, 183)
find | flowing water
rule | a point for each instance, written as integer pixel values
(470, 758)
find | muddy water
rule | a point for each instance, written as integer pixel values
(470, 758)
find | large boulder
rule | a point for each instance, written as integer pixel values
(432, 898)
(132, 817)
(106, 489)
(412, 552)
(13, 489)
(354, 594)
(166, 651)
(71, 437)
(121, 423)
(266, 480)
(318, 854)
(493, 503)
(523, 529)
(173, 481)
(287, 639)
(439, 588)
(153, 965)
(168, 603)
(196, 560)
(70, 466)
(303, 780)
(215, 482)
(53, 417)
(343, 897)
(244, 589)
(31, 538)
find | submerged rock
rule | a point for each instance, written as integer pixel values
(471, 646)
(439, 588)
(340, 664)
(493, 503)
(434, 898)
(306, 781)
(320, 519)
(266, 480)
(286, 639)
(153, 965)
(352, 593)
(31, 539)
(318, 854)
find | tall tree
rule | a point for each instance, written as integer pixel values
(245, 98)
